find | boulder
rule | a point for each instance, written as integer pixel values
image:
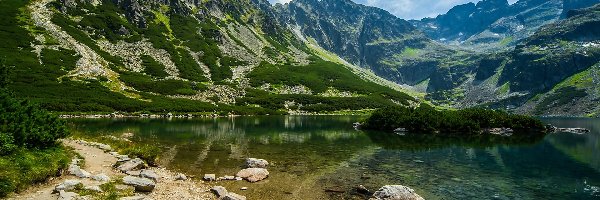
(140, 184)
(396, 192)
(181, 177)
(77, 171)
(253, 174)
(67, 195)
(101, 178)
(220, 191)
(256, 163)
(68, 185)
(210, 177)
(149, 174)
(132, 165)
(233, 196)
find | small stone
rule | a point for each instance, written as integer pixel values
(244, 188)
(67, 195)
(253, 174)
(233, 196)
(149, 174)
(220, 191)
(181, 177)
(101, 178)
(238, 178)
(94, 188)
(140, 184)
(68, 185)
(210, 177)
(256, 163)
(229, 177)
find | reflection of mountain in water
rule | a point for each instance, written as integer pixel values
(470, 168)
(583, 148)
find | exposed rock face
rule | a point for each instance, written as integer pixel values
(140, 184)
(256, 163)
(253, 174)
(396, 192)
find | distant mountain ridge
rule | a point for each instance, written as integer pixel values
(494, 24)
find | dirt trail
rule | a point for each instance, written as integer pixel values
(97, 161)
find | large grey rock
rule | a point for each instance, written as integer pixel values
(68, 185)
(77, 171)
(210, 177)
(233, 196)
(132, 165)
(67, 195)
(256, 163)
(253, 174)
(140, 184)
(149, 174)
(220, 191)
(101, 178)
(396, 192)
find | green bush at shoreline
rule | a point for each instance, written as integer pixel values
(29, 148)
(426, 119)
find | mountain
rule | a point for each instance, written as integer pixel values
(367, 37)
(494, 24)
(219, 56)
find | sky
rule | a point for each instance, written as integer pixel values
(410, 9)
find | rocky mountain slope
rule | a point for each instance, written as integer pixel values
(175, 56)
(494, 24)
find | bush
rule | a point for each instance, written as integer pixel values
(27, 126)
(426, 119)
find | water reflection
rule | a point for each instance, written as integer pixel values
(311, 153)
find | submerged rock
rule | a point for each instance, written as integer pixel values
(253, 174)
(396, 192)
(140, 184)
(256, 163)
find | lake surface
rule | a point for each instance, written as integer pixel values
(311, 155)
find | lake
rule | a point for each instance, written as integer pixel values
(323, 157)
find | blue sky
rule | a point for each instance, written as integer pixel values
(410, 9)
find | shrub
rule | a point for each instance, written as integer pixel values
(426, 119)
